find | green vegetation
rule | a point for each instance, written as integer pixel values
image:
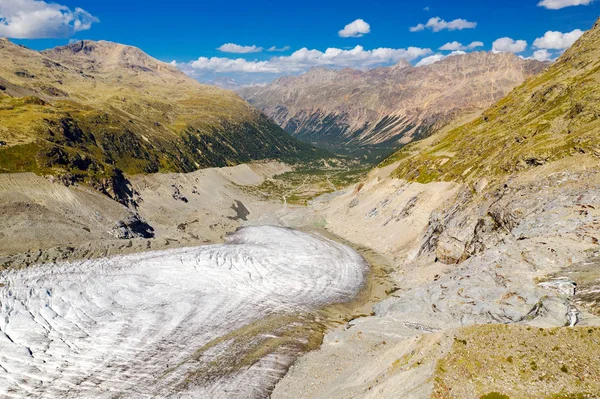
(66, 138)
(553, 115)
(538, 362)
(309, 180)
(494, 395)
(106, 122)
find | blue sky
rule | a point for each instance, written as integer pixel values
(184, 31)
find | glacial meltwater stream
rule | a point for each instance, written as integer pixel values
(189, 322)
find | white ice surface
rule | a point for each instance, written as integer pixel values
(110, 327)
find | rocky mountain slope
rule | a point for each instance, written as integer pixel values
(390, 105)
(493, 234)
(91, 110)
(554, 115)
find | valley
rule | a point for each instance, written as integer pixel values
(388, 106)
(422, 232)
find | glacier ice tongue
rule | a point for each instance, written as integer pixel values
(110, 327)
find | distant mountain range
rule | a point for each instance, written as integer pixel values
(228, 83)
(388, 106)
(90, 111)
(555, 115)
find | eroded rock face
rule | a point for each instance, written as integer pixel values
(132, 227)
(515, 259)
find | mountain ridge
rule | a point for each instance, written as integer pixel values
(92, 110)
(553, 115)
(388, 105)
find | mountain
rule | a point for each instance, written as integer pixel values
(388, 106)
(552, 116)
(228, 83)
(225, 83)
(92, 110)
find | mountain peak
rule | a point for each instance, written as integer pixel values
(88, 54)
(126, 110)
(552, 116)
(103, 50)
(402, 64)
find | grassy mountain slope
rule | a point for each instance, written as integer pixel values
(92, 109)
(553, 115)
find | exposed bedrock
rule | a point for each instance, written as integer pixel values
(518, 252)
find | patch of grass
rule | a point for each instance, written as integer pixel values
(310, 180)
(532, 367)
(494, 395)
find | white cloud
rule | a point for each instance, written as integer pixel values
(304, 59)
(357, 28)
(220, 64)
(542, 55)
(557, 40)
(437, 57)
(558, 4)
(508, 45)
(430, 60)
(437, 24)
(426, 9)
(33, 19)
(454, 46)
(237, 49)
(278, 49)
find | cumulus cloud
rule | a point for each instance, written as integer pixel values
(357, 28)
(304, 59)
(430, 60)
(237, 49)
(454, 46)
(437, 57)
(557, 40)
(278, 49)
(558, 4)
(36, 19)
(508, 45)
(437, 24)
(220, 64)
(542, 55)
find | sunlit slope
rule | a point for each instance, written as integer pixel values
(90, 109)
(388, 106)
(553, 115)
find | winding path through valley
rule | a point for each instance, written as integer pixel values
(131, 326)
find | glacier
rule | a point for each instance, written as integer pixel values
(127, 326)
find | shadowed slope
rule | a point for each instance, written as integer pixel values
(89, 110)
